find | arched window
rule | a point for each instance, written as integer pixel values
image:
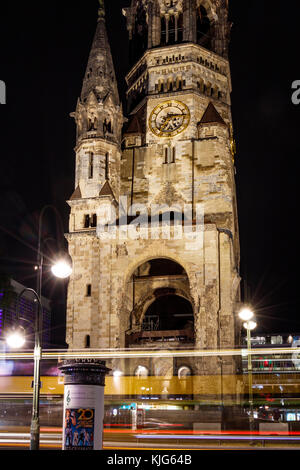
(92, 123)
(160, 86)
(200, 85)
(203, 27)
(169, 155)
(139, 41)
(87, 341)
(107, 166)
(173, 154)
(107, 126)
(166, 152)
(172, 30)
(184, 371)
(91, 165)
(94, 221)
(180, 28)
(87, 218)
(141, 371)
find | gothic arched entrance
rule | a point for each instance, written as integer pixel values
(162, 306)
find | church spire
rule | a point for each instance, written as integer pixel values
(101, 11)
(99, 120)
(100, 74)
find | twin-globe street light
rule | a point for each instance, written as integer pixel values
(16, 338)
(62, 269)
(247, 315)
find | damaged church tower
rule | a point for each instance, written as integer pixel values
(174, 148)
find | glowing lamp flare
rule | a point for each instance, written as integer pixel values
(62, 269)
(246, 314)
(15, 340)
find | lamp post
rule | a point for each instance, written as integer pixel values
(247, 315)
(61, 269)
(16, 340)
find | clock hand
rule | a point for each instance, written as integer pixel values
(170, 116)
(175, 115)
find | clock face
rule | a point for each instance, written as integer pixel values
(169, 118)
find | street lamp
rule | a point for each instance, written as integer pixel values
(16, 340)
(246, 314)
(62, 269)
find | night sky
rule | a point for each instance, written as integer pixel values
(43, 54)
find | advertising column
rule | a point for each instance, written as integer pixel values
(84, 381)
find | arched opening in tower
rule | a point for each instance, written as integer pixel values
(162, 308)
(139, 41)
(169, 312)
(171, 29)
(203, 28)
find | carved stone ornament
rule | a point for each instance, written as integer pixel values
(170, 6)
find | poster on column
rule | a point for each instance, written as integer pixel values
(79, 429)
(83, 417)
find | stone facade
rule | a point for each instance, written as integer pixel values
(174, 148)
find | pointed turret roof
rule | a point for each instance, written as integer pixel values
(134, 126)
(211, 116)
(106, 190)
(76, 194)
(100, 73)
(136, 123)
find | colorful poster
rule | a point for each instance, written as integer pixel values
(79, 429)
(83, 417)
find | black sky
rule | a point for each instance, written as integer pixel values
(43, 54)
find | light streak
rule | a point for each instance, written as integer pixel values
(225, 438)
(127, 354)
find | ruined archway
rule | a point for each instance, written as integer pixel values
(162, 307)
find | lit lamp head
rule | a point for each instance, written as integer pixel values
(16, 338)
(250, 325)
(246, 314)
(62, 268)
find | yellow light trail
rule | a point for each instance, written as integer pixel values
(138, 353)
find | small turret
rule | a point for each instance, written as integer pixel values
(99, 119)
(98, 112)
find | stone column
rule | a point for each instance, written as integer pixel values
(83, 404)
(167, 29)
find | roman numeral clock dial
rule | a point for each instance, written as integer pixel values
(169, 118)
